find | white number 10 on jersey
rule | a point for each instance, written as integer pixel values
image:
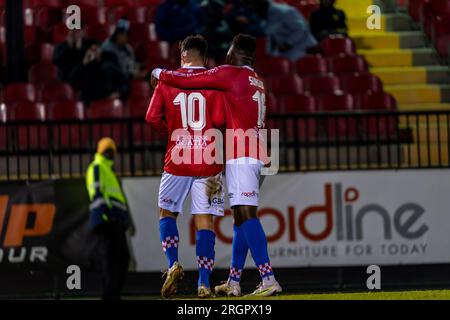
(187, 105)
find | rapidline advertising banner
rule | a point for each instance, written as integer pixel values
(319, 219)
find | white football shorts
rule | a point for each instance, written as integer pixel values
(244, 180)
(174, 190)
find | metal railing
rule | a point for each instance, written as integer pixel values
(31, 150)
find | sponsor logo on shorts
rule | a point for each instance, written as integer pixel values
(231, 195)
(250, 194)
(168, 201)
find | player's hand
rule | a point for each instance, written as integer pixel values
(214, 185)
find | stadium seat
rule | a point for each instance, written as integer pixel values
(261, 48)
(19, 92)
(312, 65)
(98, 32)
(305, 128)
(283, 85)
(38, 52)
(47, 16)
(85, 3)
(147, 2)
(5, 116)
(338, 126)
(274, 66)
(415, 8)
(59, 33)
(142, 133)
(440, 27)
(140, 90)
(361, 83)
(73, 135)
(348, 64)
(43, 73)
(271, 103)
(382, 126)
(31, 136)
(154, 50)
(442, 46)
(108, 109)
(139, 34)
(320, 85)
(66, 110)
(56, 92)
(137, 14)
(336, 44)
(46, 3)
(93, 15)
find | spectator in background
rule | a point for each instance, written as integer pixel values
(117, 45)
(70, 53)
(328, 20)
(286, 29)
(98, 76)
(215, 29)
(177, 19)
(242, 19)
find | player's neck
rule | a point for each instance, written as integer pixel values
(192, 65)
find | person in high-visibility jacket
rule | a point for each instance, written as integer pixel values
(109, 219)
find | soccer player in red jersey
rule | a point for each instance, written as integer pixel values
(246, 109)
(192, 120)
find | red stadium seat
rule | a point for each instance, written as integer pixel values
(312, 65)
(73, 135)
(261, 48)
(348, 64)
(140, 90)
(337, 44)
(139, 34)
(59, 33)
(67, 110)
(284, 85)
(271, 103)
(147, 2)
(43, 73)
(299, 128)
(338, 126)
(85, 3)
(376, 127)
(415, 8)
(298, 103)
(93, 15)
(378, 101)
(45, 3)
(5, 116)
(274, 66)
(108, 109)
(19, 92)
(47, 17)
(38, 52)
(142, 132)
(361, 83)
(154, 50)
(441, 26)
(56, 92)
(98, 32)
(320, 85)
(137, 15)
(31, 136)
(442, 46)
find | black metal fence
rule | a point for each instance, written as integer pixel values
(31, 150)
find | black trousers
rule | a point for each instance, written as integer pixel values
(112, 258)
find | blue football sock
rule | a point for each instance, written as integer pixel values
(257, 243)
(205, 255)
(169, 239)
(238, 255)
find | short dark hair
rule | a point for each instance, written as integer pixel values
(245, 43)
(196, 42)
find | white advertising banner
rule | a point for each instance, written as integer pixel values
(319, 219)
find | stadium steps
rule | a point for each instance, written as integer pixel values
(369, 40)
(412, 75)
(419, 93)
(389, 22)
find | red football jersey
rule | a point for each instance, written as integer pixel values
(185, 116)
(245, 101)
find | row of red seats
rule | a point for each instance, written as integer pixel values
(434, 15)
(56, 92)
(72, 135)
(356, 83)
